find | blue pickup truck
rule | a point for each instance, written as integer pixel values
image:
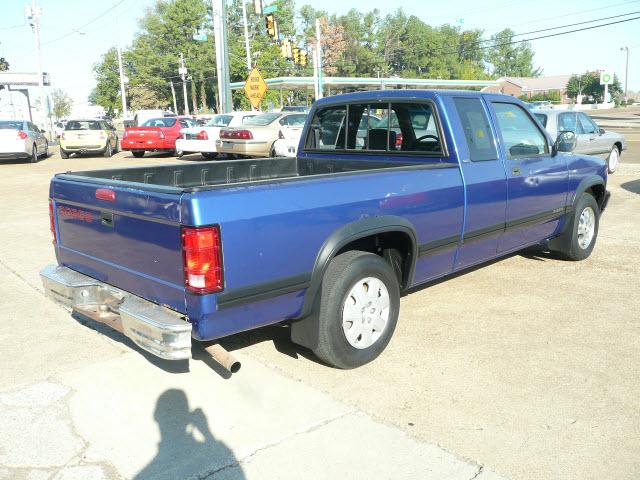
(390, 190)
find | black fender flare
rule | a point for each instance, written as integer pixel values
(563, 240)
(304, 329)
(585, 184)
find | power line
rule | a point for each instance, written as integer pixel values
(75, 30)
(576, 24)
(574, 13)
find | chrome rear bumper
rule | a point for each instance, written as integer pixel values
(154, 328)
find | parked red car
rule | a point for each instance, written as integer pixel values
(155, 135)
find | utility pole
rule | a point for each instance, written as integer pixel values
(183, 74)
(222, 54)
(173, 94)
(626, 73)
(246, 36)
(315, 74)
(319, 58)
(123, 94)
(33, 13)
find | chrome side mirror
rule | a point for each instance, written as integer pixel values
(565, 143)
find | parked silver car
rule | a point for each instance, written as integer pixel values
(22, 139)
(591, 139)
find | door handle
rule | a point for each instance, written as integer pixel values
(515, 171)
(107, 219)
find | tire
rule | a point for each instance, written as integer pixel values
(209, 155)
(34, 154)
(138, 153)
(63, 154)
(272, 152)
(613, 159)
(345, 286)
(583, 230)
(46, 149)
(107, 150)
(179, 153)
(116, 148)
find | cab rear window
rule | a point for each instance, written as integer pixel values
(83, 125)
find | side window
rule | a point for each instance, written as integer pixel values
(521, 136)
(327, 130)
(185, 123)
(567, 122)
(587, 124)
(417, 129)
(476, 128)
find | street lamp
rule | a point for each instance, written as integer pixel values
(626, 72)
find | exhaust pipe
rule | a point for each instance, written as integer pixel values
(223, 357)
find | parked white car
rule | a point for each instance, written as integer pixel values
(203, 138)
(288, 139)
(21, 139)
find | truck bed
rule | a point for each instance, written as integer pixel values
(205, 175)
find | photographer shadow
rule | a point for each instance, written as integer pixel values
(187, 447)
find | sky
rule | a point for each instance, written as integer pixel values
(70, 48)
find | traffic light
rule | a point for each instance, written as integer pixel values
(296, 55)
(303, 58)
(272, 26)
(285, 48)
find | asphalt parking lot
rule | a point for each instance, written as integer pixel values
(525, 369)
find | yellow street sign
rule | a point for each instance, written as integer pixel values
(255, 87)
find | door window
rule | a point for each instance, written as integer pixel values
(567, 122)
(586, 124)
(520, 134)
(476, 129)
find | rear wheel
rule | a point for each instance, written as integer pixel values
(209, 155)
(614, 158)
(63, 154)
(138, 153)
(46, 149)
(34, 154)
(358, 310)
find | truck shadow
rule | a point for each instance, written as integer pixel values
(633, 186)
(187, 447)
(169, 366)
(279, 335)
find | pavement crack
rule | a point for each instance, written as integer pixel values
(480, 469)
(238, 462)
(24, 280)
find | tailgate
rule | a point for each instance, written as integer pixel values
(132, 241)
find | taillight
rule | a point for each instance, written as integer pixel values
(106, 194)
(124, 135)
(236, 134)
(52, 222)
(22, 135)
(203, 135)
(62, 136)
(399, 139)
(280, 135)
(202, 251)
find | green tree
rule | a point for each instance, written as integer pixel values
(511, 59)
(62, 103)
(588, 84)
(107, 90)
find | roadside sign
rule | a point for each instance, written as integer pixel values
(606, 78)
(270, 9)
(255, 87)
